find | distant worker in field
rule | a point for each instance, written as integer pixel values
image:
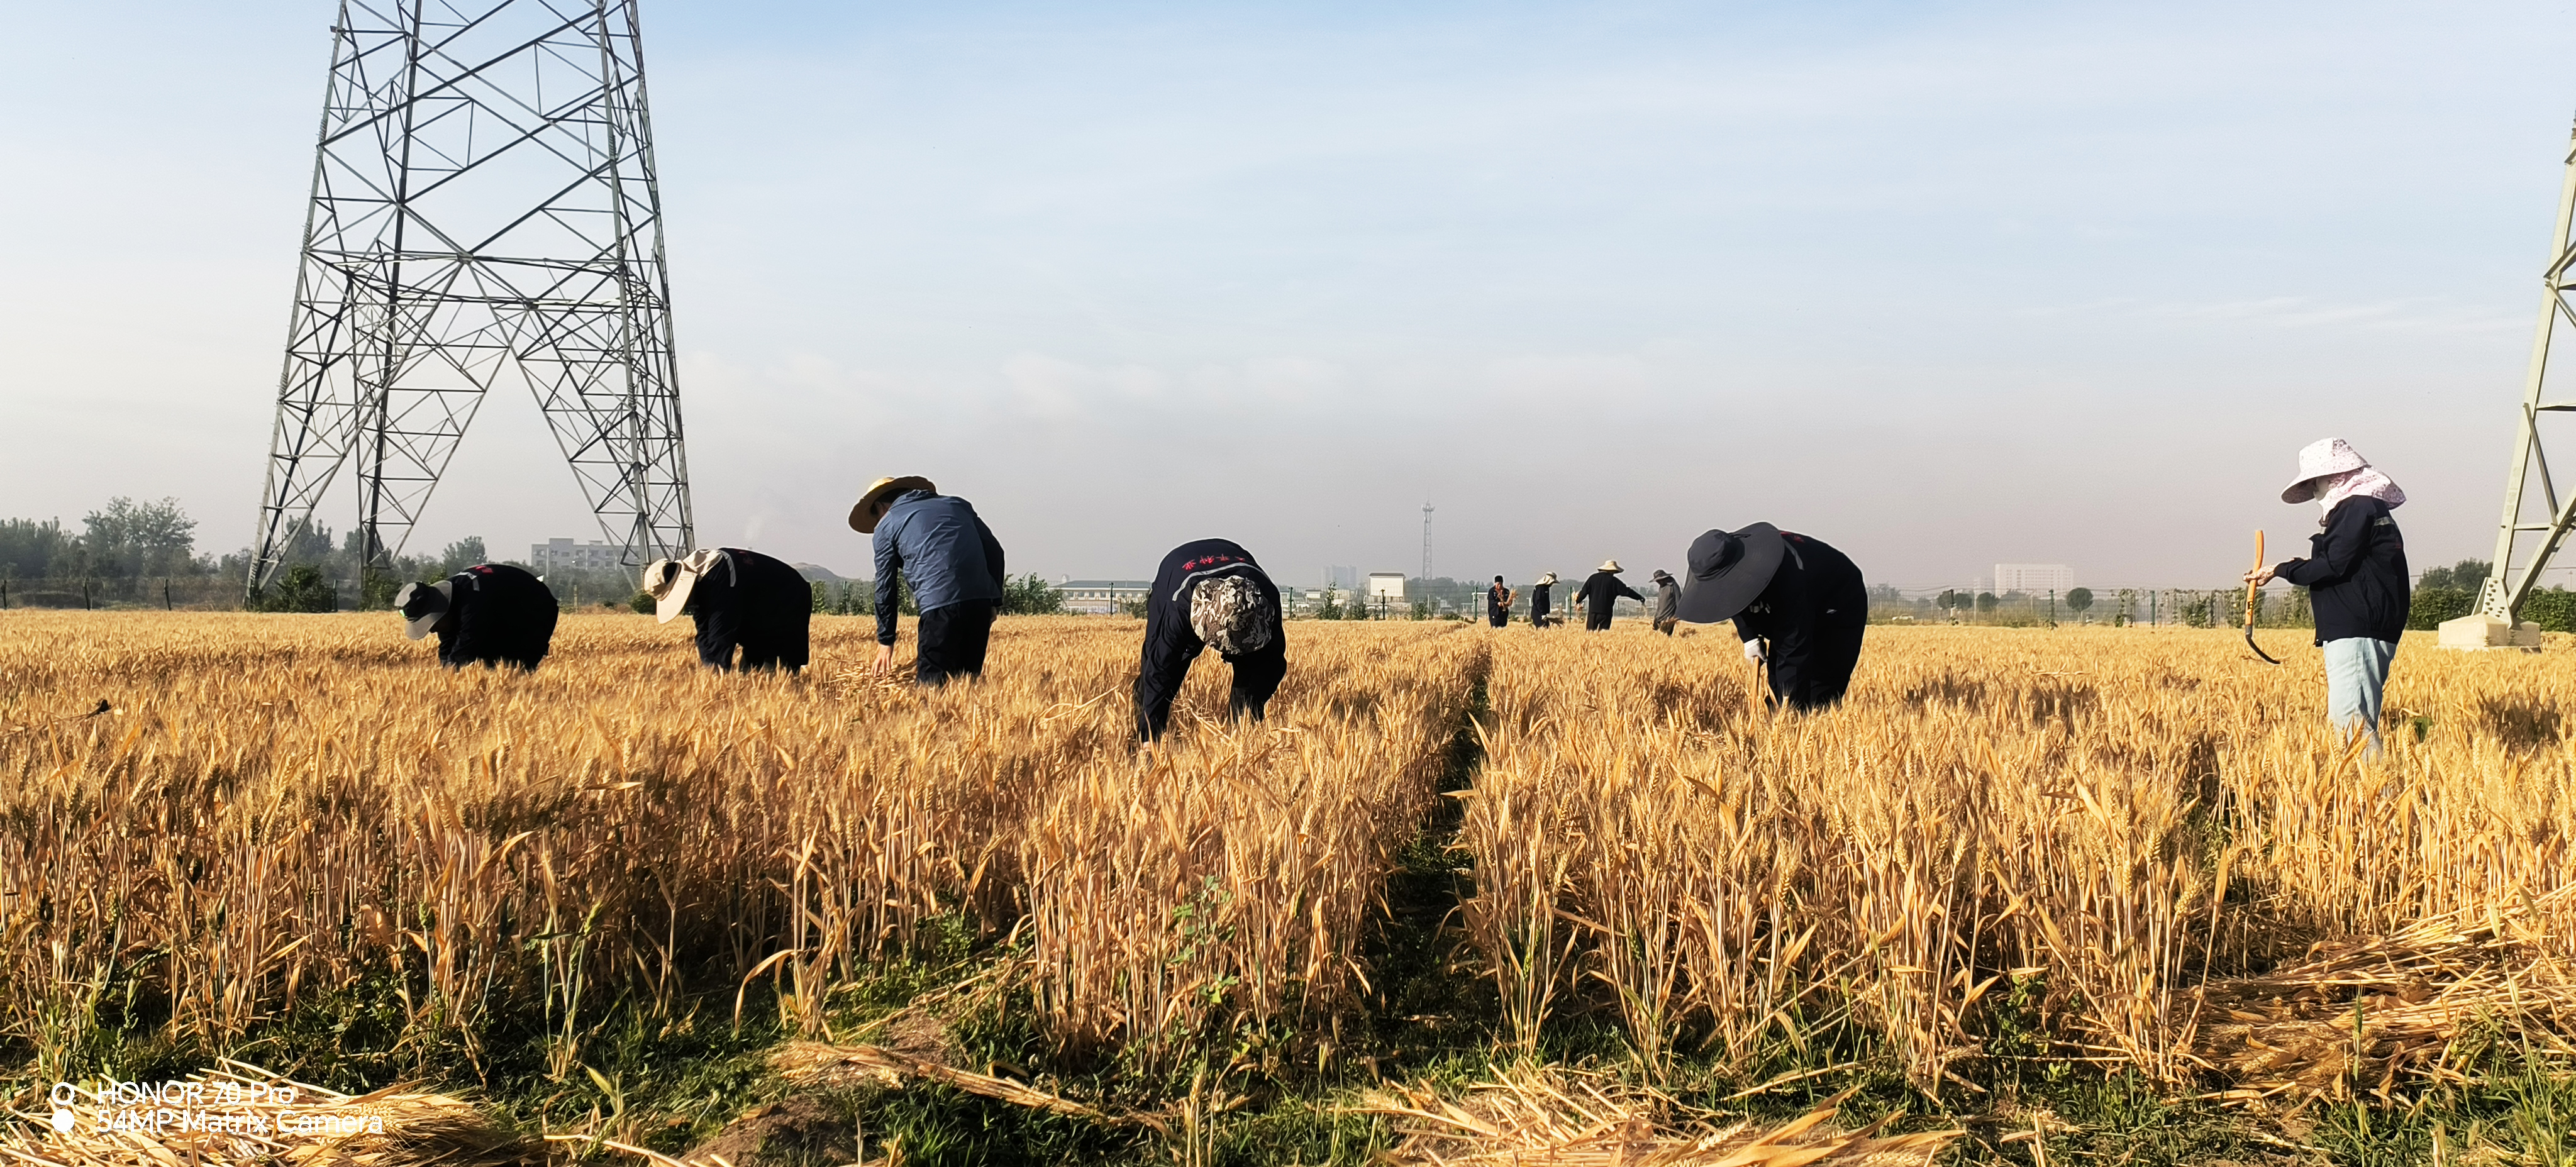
(2356, 578)
(1600, 595)
(1541, 607)
(739, 599)
(953, 564)
(1210, 594)
(1668, 597)
(1799, 605)
(1498, 603)
(490, 614)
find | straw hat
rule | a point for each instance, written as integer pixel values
(2321, 457)
(1611, 566)
(863, 517)
(669, 581)
(1728, 570)
(423, 605)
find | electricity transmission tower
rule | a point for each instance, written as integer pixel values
(1426, 544)
(2536, 518)
(484, 215)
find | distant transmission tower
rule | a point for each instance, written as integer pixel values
(1426, 544)
(2529, 534)
(484, 214)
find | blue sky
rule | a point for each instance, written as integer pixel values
(1942, 284)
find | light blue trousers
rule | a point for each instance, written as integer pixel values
(2356, 669)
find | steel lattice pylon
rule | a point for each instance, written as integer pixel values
(2526, 540)
(484, 211)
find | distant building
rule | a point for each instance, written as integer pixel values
(1386, 585)
(557, 554)
(1344, 578)
(1101, 597)
(2034, 579)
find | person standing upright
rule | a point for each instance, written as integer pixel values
(1210, 594)
(1498, 603)
(1668, 598)
(2356, 578)
(740, 600)
(490, 614)
(1798, 604)
(1540, 605)
(1600, 595)
(944, 551)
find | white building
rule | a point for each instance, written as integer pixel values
(1386, 585)
(556, 554)
(2037, 579)
(1101, 597)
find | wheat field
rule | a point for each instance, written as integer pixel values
(2145, 840)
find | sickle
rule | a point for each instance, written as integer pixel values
(2249, 604)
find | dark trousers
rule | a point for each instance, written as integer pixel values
(1540, 620)
(951, 642)
(1596, 618)
(1256, 677)
(1817, 676)
(1499, 618)
(768, 647)
(1665, 625)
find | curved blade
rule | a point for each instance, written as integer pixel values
(2258, 649)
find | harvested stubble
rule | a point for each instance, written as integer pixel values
(1534, 1118)
(2123, 815)
(282, 804)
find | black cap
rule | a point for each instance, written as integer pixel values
(1728, 570)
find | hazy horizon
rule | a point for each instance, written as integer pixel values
(1945, 286)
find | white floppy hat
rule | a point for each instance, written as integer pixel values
(1611, 566)
(2321, 457)
(669, 581)
(422, 606)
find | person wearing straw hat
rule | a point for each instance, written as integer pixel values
(1798, 604)
(952, 562)
(490, 614)
(2356, 577)
(1668, 595)
(1209, 593)
(1540, 606)
(1600, 595)
(740, 600)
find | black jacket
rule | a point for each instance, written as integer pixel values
(2355, 573)
(499, 615)
(1817, 588)
(1538, 599)
(1604, 589)
(1171, 644)
(757, 603)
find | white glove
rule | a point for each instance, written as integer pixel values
(1756, 649)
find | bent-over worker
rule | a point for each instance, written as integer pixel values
(1668, 596)
(1540, 605)
(2356, 578)
(954, 565)
(490, 614)
(1600, 595)
(1209, 593)
(1798, 604)
(739, 599)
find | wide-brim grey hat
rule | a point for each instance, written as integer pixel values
(423, 605)
(1727, 570)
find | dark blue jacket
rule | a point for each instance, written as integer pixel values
(943, 550)
(2355, 573)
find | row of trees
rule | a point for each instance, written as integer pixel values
(1028, 595)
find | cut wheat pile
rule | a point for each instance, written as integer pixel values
(2141, 834)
